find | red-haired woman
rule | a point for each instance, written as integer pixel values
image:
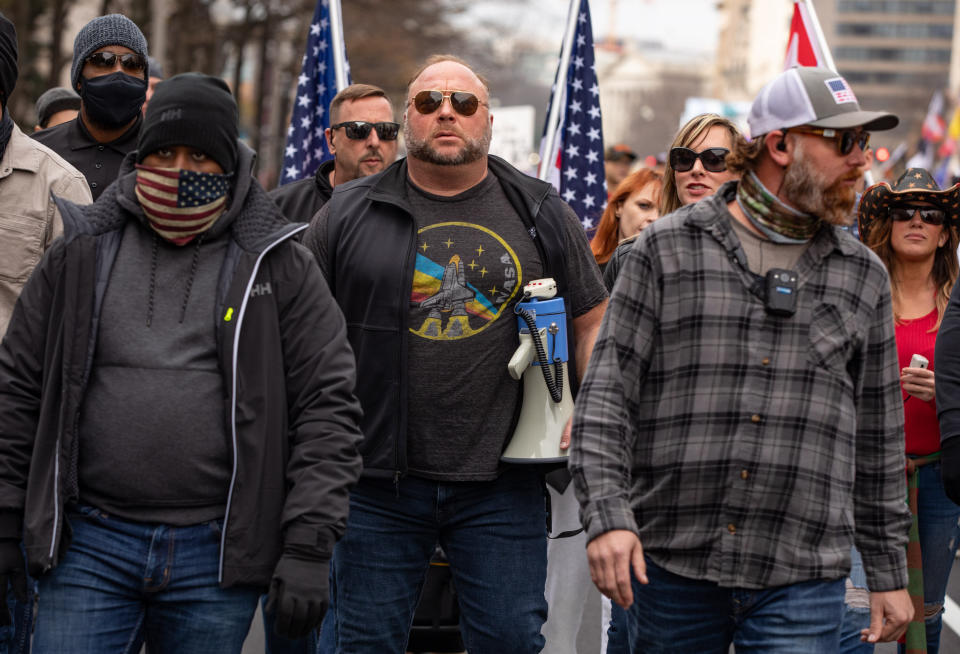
(633, 205)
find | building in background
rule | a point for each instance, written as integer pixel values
(643, 90)
(751, 44)
(895, 53)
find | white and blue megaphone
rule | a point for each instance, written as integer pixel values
(541, 360)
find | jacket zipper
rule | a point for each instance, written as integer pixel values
(233, 391)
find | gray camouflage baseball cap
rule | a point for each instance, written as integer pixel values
(818, 97)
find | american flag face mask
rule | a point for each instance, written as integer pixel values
(180, 204)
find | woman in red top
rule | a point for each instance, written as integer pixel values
(910, 227)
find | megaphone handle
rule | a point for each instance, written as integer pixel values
(521, 358)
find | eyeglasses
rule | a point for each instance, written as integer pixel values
(129, 61)
(845, 139)
(463, 102)
(714, 159)
(359, 130)
(934, 217)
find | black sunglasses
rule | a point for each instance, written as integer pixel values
(359, 130)
(845, 139)
(713, 159)
(934, 217)
(129, 61)
(463, 102)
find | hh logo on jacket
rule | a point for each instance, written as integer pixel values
(260, 289)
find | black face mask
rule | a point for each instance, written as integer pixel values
(113, 100)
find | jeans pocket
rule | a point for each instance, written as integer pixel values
(85, 512)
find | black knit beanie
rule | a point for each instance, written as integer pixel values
(8, 58)
(195, 110)
(114, 29)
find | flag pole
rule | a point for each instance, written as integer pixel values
(559, 92)
(821, 39)
(339, 50)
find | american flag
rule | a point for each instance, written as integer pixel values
(840, 90)
(180, 201)
(306, 147)
(577, 172)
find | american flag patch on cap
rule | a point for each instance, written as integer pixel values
(840, 90)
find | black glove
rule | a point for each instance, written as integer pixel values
(299, 592)
(12, 573)
(950, 467)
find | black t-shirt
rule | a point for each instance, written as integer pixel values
(473, 257)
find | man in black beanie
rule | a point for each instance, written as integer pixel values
(176, 397)
(109, 72)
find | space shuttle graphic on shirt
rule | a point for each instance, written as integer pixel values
(453, 294)
(452, 297)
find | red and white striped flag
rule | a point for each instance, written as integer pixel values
(803, 48)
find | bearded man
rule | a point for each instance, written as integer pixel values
(740, 426)
(438, 402)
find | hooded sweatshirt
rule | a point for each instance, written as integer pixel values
(154, 445)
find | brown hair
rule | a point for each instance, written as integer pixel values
(440, 58)
(351, 93)
(687, 136)
(745, 155)
(608, 231)
(944, 272)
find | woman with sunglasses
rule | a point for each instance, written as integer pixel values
(911, 228)
(634, 205)
(696, 165)
(696, 168)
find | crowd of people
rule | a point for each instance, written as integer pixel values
(214, 398)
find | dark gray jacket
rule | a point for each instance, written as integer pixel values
(288, 373)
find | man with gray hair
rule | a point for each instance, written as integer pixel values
(109, 72)
(742, 415)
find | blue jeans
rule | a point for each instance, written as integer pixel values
(855, 618)
(122, 583)
(617, 637)
(677, 614)
(938, 524)
(494, 536)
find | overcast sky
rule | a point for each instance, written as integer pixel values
(679, 24)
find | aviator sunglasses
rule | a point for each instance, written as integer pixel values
(359, 130)
(463, 102)
(129, 61)
(845, 139)
(934, 217)
(714, 160)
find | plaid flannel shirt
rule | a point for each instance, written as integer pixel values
(743, 448)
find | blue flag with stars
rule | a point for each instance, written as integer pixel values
(577, 172)
(306, 147)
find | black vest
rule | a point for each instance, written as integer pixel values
(371, 247)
